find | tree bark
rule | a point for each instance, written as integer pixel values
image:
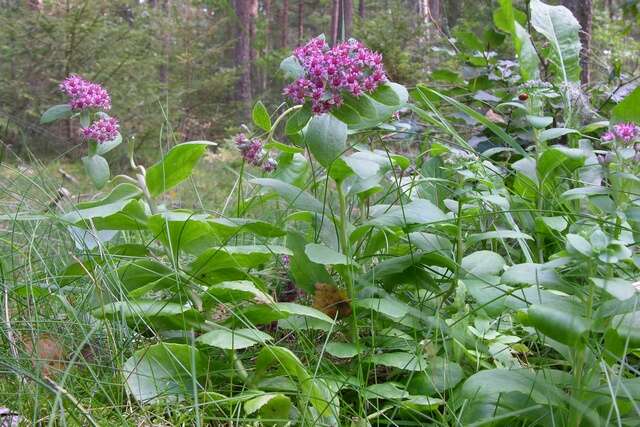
(300, 22)
(583, 11)
(346, 21)
(335, 16)
(453, 13)
(245, 12)
(434, 13)
(361, 9)
(284, 24)
(267, 42)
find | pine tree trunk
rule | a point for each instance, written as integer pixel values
(243, 10)
(253, 54)
(335, 16)
(435, 11)
(361, 9)
(583, 11)
(284, 24)
(300, 22)
(347, 18)
(267, 41)
(453, 12)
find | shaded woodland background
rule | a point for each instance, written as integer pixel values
(185, 70)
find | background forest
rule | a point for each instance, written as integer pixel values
(320, 212)
(197, 64)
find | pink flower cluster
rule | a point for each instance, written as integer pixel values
(253, 152)
(625, 132)
(347, 67)
(84, 94)
(103, 130)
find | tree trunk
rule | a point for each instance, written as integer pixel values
(453, 13)
(335, 16)
(284, 24)
(300, 22)
(267, 41)
(341, 20)
(361, 9)
(346, 19)
(434, 13)
(166, 45)
(243, 9)
(253, 15)
(583, 11)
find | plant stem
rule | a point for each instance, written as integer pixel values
(345, 247)
(279, 119)
(239, 207)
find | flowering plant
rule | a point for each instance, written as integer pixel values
(348, 67)
(88, 101)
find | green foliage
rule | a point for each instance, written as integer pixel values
(481, 270)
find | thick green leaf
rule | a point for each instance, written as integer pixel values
(296, 197)
(531, 274)
(326, 138)
(260, 116)
(497, 234)
(120, 192)
(628, 110)
(561, 29)
(539, 122)
(145, 275)
(151, 314)
(98, 170)
(483, 263)
(260, 314)
(391, 308)
(440, 375)
(505, 19)
(313, 389)
(321, 254)
(293, 169)
(164, 372)
(627, 327)
(235, 257)
(618, 288)
(233, 291)
(292, 67)
(564, 326)
(343, 350)
(489, 385)
(554, 133)
(305, 272)
(271, 407)
(400, 360)
(390, 391)
(237, 339)
(298, 120)
(275, 145)
(391, 94)
(57, 112)
(120, 215)
(176, 166)
(418, 212)
(105, 147)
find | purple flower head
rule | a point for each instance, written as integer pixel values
(103, 130)
(270, 165)
(608, 136)
(626, 132)
(328, 72)
(286, 261)
(251, 149)
(84, 94)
